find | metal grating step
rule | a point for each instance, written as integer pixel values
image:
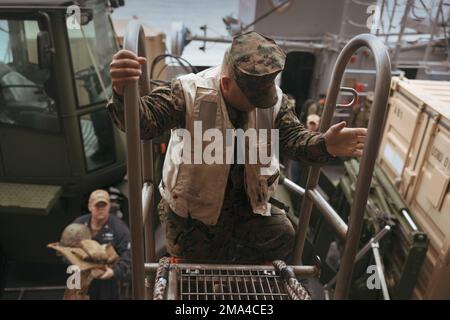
(205, 281)
(230, 284)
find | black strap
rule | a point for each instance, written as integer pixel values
(278, 204)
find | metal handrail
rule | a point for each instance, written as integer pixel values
(134, 41)
(376, 123)
(300, 271)
(138, 156)
(363, 251)
(354, 100)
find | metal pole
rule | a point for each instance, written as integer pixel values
(433, 31)
(344, 21)
(373, 140)
(132, 36)
(147, 203)
(299, 271)
(328, 213)
(147, 218)
(147, 167)
(409, 4)
(282, 4)
(382, 88)
(380, 271)
(305, 214)
(380, 18)
(364, 250)
(391, 19)
(304, 45)
(292, 186)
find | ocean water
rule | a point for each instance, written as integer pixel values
(193, 13)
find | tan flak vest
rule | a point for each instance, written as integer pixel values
(197, 190)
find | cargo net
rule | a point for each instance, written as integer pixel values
(222, 282)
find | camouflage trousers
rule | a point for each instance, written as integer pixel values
(240, 236)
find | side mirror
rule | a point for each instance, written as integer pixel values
(45, 50)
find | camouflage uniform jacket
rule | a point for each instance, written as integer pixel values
(164, 109)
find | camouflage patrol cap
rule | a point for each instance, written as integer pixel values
(253, 62)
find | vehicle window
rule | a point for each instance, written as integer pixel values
(24, 100)
(92, 46)
(98, 139)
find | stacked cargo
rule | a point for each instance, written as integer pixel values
(403, 249)
(415, 155)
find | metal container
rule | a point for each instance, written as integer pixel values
(415, 155)
(429, 201)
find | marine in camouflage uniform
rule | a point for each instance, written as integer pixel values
(239, 235)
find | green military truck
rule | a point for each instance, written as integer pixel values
(57, 142)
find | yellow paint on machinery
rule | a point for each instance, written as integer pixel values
(415, 154)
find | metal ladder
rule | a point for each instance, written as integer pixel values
(349, 234)
(141, 183)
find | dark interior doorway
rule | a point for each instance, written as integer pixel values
(410, 73)
(297, 76)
